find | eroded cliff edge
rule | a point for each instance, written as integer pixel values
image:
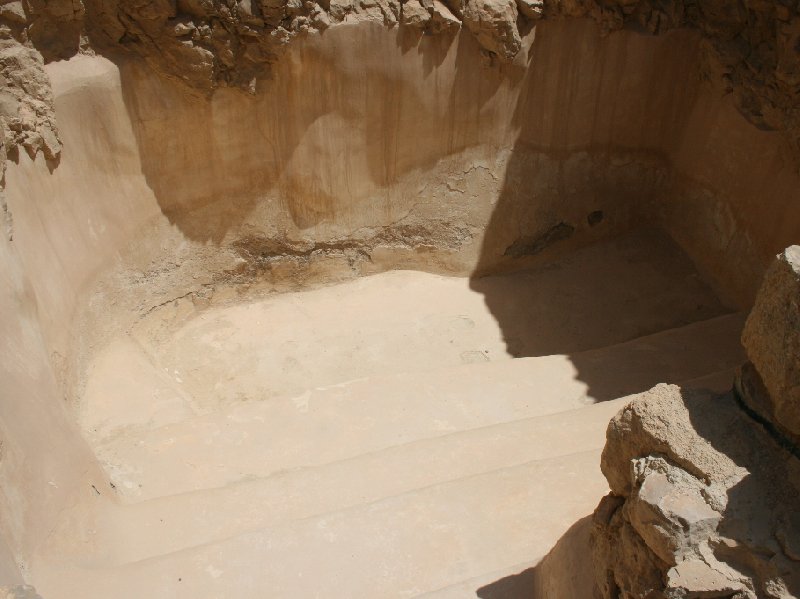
(751, 46)
(704, 488)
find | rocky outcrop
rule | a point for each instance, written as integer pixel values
(211, 43)
(770, 384)
(494, 25)
(26, 103)
(752, 46)
(27, 117)
(430, 16)
(704, 487)
(702, 503)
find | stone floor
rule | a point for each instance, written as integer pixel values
(401, 435)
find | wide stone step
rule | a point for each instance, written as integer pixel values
(339, 422)
(176, 522)
(401, 546)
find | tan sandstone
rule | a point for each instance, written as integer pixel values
(771, 338)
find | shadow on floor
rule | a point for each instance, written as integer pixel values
(608, 293)
(762, 506)
(565, 572)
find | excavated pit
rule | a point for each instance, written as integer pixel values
(363, 330)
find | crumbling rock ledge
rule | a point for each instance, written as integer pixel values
(27, 117)
(207, 43)
(703, 498)
(750, 49)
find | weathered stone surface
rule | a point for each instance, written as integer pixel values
(212, 43)
(772, 340)
(442, 18)
(709, 485)
(26, 102)
(696, 578)
(430, 16)
(702, 505)
(415, 15)
(13, 12)
(532, 9)
(54, 26)
(660, 421)
(622, 559)
(668, 509)
(494, 24)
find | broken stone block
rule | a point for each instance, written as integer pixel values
(771, 338)
(669, 512)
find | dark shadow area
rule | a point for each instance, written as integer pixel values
(761, 516)
(204, 185)
(432, 48)
(575, 221)
(516, 586)
(316, 144)
(612, 291)
(588, 303)
(760, 519)
(565, 572)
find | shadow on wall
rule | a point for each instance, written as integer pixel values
(334, 127)
(577, 204)
(593, 116)
(564, 572)
(326, 134)
(608, 293)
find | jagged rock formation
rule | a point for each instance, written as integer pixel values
(704, 488)
(753, 46)
(26, 110)
(212, 43)
(208, 43)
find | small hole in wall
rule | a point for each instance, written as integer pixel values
(595, 217)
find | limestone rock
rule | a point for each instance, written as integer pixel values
(660, 421)
(703, 503)
(772, 340)
(532, 9)
(622, 559)
(415, 15)
(494, 24)
(54, 26)
(13, 12)
(442, 19)
(26, 102)
(668, 510)
(696, 578)
(430, 16)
